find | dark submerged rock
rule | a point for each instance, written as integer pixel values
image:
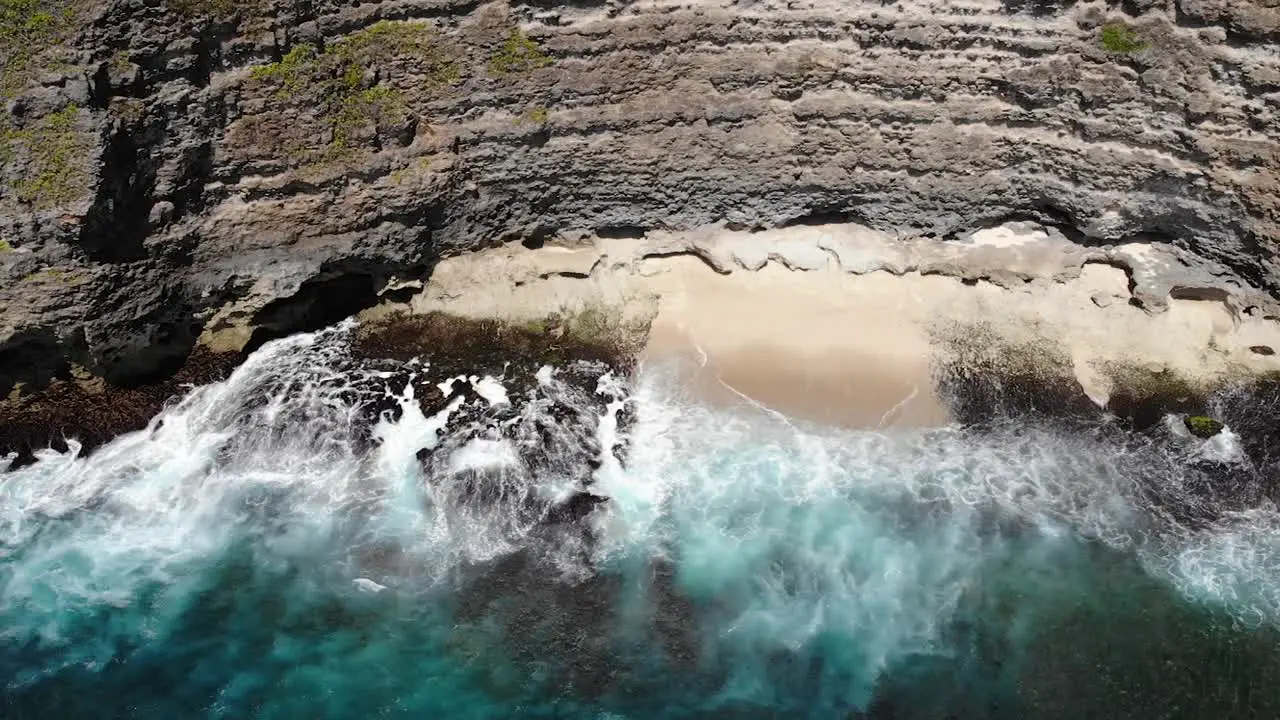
(1007, 390)
(575, 508)
(385, 356)
(986, 379)
(452, 346)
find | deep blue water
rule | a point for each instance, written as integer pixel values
(1066, 641)
(744, 567)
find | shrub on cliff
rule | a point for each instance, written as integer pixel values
(1122, 39)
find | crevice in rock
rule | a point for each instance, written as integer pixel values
(709, 262)
(116, 226)
(149, 352)
(31, 359)
(575, 4)
(825, 216)
(190, 197)
(399, 296)
(1036, 8)
(621, 232)
(532, 239)
(100, 88)
(333, 295)
(1046, 216)
(574, 274)
(1208, 294)
(1050, 214)
(1123, 267)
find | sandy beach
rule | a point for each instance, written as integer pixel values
(807, 350)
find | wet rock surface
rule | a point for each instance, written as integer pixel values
(91, 412)
(1216, 453)
(442, 357)
(178, 170)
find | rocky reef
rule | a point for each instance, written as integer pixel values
(185, 172)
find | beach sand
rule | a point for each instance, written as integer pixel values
(841, 358)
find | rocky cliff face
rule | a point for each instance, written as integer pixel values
(178, 169)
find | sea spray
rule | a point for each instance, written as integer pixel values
(308, 538)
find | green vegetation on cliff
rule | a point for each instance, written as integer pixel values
(341, 79)
(57, 157)
(29, 29)
(56, 276)
(536, 116)
(1119, 38)
(517, 54)
(293, 73)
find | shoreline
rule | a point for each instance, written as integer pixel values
(840, 324)
(832, 324)
(806, 356)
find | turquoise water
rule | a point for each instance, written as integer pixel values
(250, 556)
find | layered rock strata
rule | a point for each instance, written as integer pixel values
(178, 170)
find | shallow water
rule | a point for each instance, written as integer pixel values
(255, 553)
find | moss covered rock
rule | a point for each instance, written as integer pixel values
(1203, 426)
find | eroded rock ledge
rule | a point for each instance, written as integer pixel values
(176, 169)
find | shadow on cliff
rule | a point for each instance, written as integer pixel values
(1038, 8)
(56, 400)
(318, 303)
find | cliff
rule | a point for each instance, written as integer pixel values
(183, 169)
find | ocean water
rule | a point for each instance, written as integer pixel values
(619, 550)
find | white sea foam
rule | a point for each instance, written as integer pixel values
(1223, 447)
(489, 388)
(898, 521)
(800, 530)
(367, 585)
(483, 454)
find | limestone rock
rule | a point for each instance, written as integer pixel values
(277, 164)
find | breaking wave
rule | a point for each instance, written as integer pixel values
(304, 539)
